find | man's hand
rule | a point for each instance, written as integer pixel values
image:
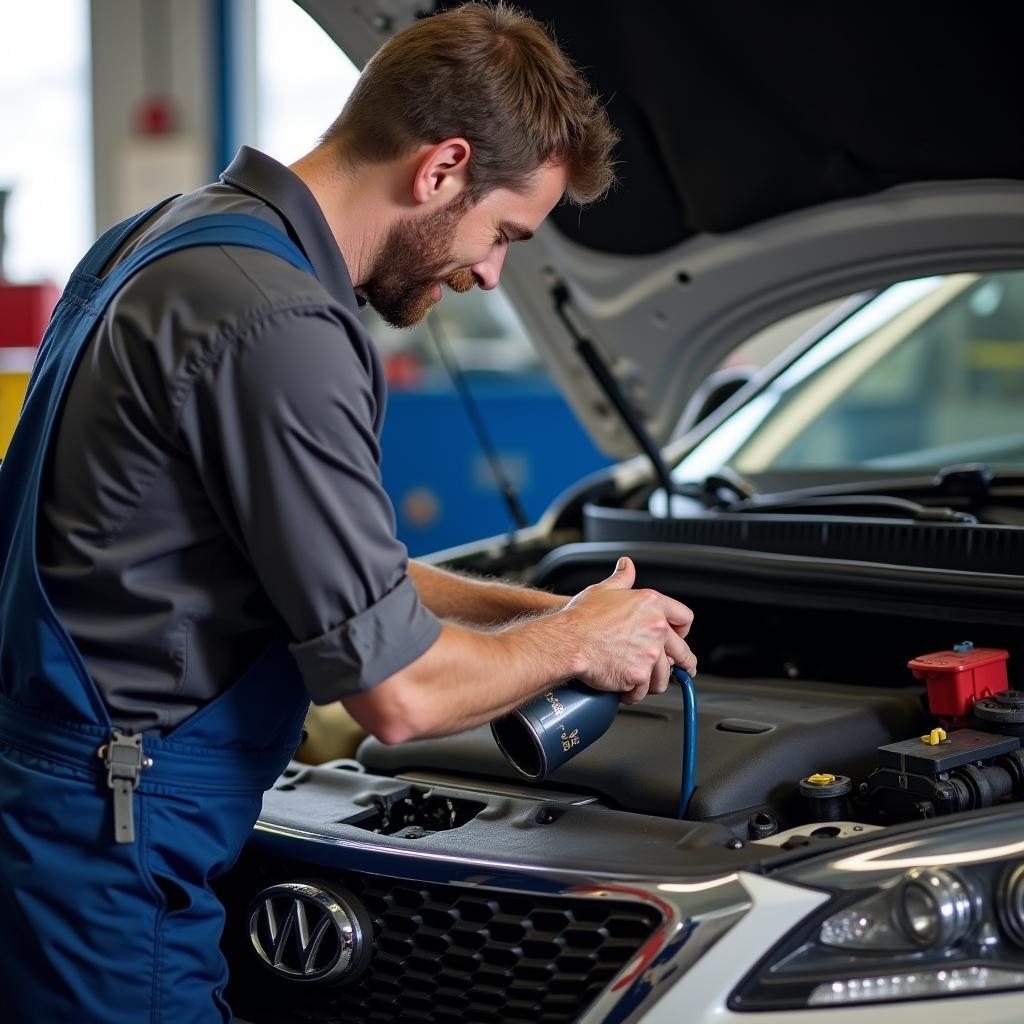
(631, 638)
(609, 635)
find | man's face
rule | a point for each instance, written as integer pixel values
(458, 245)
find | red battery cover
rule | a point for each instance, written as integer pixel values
(956, 680)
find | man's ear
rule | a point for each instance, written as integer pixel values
(441, 172)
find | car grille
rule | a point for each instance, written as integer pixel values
(442, 953)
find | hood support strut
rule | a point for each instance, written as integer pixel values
(586, 350)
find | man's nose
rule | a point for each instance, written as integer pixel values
(488, 271)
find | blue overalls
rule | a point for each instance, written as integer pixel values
(108, 841)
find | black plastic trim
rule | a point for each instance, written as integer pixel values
(955, 546)
(969, 597)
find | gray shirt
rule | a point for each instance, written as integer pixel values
(215, 472)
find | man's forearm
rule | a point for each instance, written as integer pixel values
(480, 602)
(468, 678)
(609, 636)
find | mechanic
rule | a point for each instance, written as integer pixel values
(194, 537)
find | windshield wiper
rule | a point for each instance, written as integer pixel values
(968, 484)
(885, 505)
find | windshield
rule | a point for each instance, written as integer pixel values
(928, 373)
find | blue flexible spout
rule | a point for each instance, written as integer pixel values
(689, 780)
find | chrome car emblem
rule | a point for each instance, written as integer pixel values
(304, 932)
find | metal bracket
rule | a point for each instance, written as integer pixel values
(126, 761)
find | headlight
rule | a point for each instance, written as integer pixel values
(934, 908)
(929, 909)
(940, 911)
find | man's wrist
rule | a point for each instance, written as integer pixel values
(541, 600)
(553, 643)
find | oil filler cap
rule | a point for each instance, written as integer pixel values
(822, 785)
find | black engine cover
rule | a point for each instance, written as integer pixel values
(756, 739)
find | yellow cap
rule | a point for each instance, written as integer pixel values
(935, 737)
(820, 779)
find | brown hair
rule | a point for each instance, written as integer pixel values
(493, 76)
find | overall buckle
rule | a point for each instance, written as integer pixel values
(126, 761)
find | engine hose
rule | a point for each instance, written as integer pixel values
(981, 785)
(689, 779)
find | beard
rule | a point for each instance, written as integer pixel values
(412, 259)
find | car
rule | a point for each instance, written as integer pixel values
(847, 524)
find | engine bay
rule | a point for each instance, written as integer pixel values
(808, 712)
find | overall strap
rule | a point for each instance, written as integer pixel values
(113, 238)
(39, 663)
(213, 229)
(42, 673)
(85, 279)
(73, 323)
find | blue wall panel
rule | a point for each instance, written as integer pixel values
(435, 470)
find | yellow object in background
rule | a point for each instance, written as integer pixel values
(15, 367)
(12, 393)
(331, 733)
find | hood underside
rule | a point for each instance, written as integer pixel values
(773, 156)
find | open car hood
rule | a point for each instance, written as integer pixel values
(773, 156)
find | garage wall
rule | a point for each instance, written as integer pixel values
(143, 51)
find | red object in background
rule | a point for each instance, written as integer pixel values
(956, 679)
(24, 313)
(155, 115)
(403, 370)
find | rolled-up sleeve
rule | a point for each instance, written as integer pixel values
(369, 647)
(281, 425)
